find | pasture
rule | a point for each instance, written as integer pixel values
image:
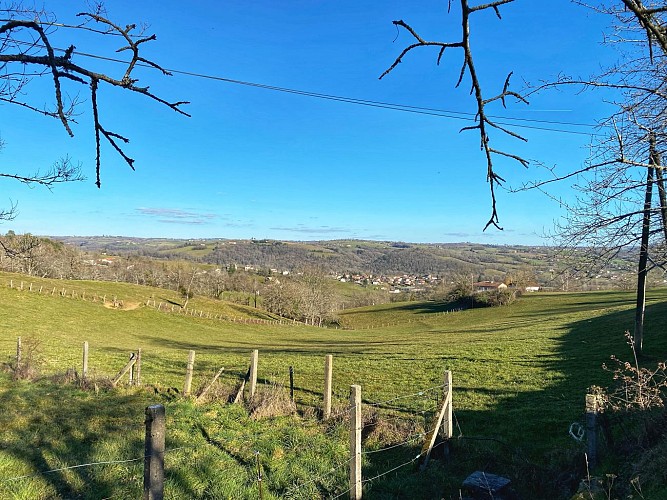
(520, 374)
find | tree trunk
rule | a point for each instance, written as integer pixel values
(662, 194)
(642, 270)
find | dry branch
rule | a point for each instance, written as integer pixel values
(468, 68)
(25, 46)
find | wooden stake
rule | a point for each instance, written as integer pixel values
(210, 384)
(355, 442)
(132, 369)
(188, 374)
(19, 352)
(125, 369)
(84, 370)
(137, 369)
(448, 421)
(433, 433)
(253, 372)
(291, 383)
(328, 372)
(239, 393)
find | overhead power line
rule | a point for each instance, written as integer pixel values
(525, 123)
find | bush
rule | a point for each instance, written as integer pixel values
(494, 298)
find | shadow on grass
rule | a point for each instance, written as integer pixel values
(57, 442)
(540, 458)
(75, 430)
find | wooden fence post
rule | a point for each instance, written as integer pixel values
(132, 357)
(448, 421)
(84, 370)
(355, 442)
(291, 383)
(253, 372)
(328, 372)
(592, 408)
(154, 453)
(137, 369)
(188, 374)
(445, 412)
(19, 352)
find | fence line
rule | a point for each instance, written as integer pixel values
(119, 303)
(419, 455)
(398, 445)
(382, 404)
(354, 410)
(252, 439)
(173, 308)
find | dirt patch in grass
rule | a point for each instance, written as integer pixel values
(122, 305)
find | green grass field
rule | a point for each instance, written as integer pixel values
(520, 374)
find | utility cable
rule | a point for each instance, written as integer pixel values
(442, 113)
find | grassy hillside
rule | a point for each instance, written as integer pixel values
(520, 375)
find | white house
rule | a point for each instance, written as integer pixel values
(488, 286)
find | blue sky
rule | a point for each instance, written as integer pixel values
(257, 163)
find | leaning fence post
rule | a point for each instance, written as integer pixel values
(253, 372)
(328, 371)
(592, 408)
(355, 442)
(84, 370)
(154, 453)
(188, 374)
(444, 413)
(124, 370)
(205, 390)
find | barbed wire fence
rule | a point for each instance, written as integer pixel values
(392, 428)
(331, 481)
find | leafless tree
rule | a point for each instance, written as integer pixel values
(484, 124)
(27, 53)
(614, 210)
(22, 251)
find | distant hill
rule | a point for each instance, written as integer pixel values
(489, 262)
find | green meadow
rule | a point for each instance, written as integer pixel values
(520, 374)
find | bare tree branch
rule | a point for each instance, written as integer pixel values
(468, 67)
(24, 44)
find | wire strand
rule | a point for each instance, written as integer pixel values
(443, 113)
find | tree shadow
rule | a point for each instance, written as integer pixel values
(48, 427)
(542, 460)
